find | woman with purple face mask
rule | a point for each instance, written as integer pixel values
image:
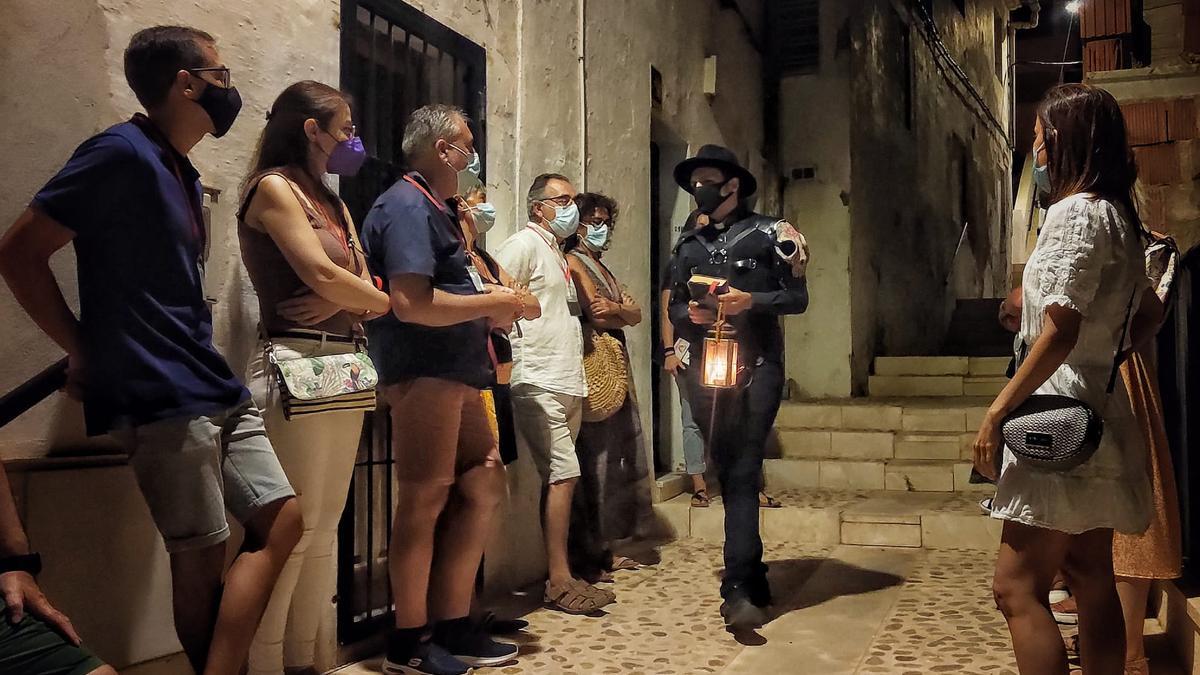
(302, 253)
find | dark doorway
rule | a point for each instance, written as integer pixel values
(662, 432)
(394, 60)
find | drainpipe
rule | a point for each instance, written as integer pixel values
(583, 144)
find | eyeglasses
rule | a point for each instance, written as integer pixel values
(561, 200)
(221, 72)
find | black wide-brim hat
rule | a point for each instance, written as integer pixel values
(718, 158)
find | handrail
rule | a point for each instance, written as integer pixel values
(37, 389)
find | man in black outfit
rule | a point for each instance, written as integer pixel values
(764, 260)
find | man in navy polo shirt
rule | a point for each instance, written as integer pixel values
(433, 358)
(141, 353)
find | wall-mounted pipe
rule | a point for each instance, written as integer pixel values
(1035, 13)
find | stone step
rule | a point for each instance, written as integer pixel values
(945, 414)
(925, 366)
(908, 386)
(860, 518)
(939, 444)
(669, 486)
(898, 475)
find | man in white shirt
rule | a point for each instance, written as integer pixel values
(548, 385)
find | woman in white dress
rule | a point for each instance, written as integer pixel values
(1087, 268)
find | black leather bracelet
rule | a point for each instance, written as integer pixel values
(31, 563)
(668, 351)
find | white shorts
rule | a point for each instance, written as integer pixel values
(547, 425)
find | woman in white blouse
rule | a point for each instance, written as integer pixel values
(1078, 285)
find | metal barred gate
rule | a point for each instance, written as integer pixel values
(394, 59)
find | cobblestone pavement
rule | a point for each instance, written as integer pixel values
(935, 617)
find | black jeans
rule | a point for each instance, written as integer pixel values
(736, 424)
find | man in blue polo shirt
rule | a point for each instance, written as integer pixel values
(141, 353)
(433, 358)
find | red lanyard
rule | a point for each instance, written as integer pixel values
(440, 207)
(195, 210)
(562, 259)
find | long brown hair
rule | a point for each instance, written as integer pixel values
(283, 145)
(1087, 146)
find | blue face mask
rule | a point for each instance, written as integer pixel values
(485, 216)
(598, 237)
(468, 176)
(566, 221)
(1041, 173)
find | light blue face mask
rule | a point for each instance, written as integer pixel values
(468, 176)
(485, 216)
(598, 237)
(566, 221)
(1041, 173)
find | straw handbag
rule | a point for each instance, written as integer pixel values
(606, 372)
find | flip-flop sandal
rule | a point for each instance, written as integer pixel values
(766, 501)
(623, 563)
(576, 597)
(700, 499)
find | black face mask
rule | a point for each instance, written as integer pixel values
(222, 106)
(709, 197)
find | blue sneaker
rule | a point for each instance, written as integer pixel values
(425, 659)
(472, 645)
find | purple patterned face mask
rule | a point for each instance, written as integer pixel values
(347, 157)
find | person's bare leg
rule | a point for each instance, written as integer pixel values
(1134, 594)
(462, 535)
(271, 534)
(1101, 624)
(556, 524)
(698, 483)
(196, 599)
(1025, 567)
(411, 554)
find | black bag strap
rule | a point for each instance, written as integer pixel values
(1112, 377)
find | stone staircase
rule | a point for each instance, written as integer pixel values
(891, 469)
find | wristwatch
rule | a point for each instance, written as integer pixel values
(31, 563)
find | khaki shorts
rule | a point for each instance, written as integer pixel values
(547, 427)
(192, 469)
(440, 430)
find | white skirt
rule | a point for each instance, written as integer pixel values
(1110, 490)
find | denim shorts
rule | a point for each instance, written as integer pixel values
(192, 469)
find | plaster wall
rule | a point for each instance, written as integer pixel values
(815, 133)
(537, 92)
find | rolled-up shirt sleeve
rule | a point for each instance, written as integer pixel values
(1076, 248)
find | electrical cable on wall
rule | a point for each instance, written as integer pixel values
(948, 65)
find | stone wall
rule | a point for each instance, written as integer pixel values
(889, 189)
(71, 85)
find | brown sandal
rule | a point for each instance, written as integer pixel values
(700, 499)
(623, 563)
(577, 597)
(766, 501)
